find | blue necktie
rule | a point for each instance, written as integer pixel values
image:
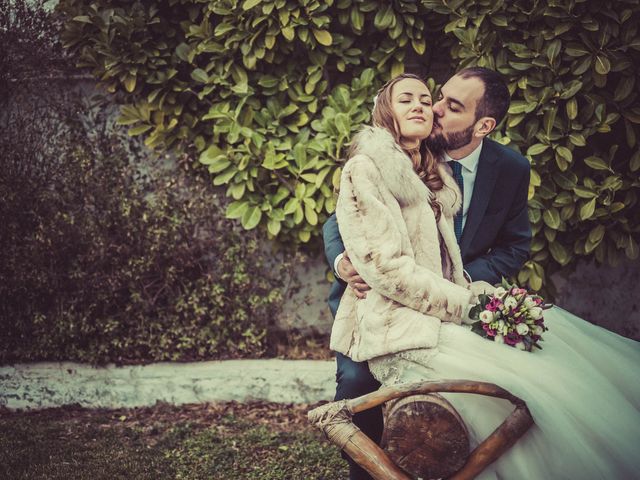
(457, 174)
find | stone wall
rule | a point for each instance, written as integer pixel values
(305, 305)
(603, 295)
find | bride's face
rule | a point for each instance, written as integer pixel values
(411, 104)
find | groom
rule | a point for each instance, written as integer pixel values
(493, 228)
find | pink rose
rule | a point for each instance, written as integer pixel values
(494, 304)
(490, 331)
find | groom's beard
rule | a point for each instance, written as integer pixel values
(438, 143)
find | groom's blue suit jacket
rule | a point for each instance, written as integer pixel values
(497, 235)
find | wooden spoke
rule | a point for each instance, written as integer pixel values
(334, 419)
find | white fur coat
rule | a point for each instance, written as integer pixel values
(391, 236)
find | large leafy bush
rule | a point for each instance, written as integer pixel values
(106, 256)
(254, 87)
(268, 93)
(575, 112)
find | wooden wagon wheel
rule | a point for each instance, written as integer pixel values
(426, 461)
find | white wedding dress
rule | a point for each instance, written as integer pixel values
(582, 389)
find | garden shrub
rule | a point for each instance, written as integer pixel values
(106, 261)
(109, 254)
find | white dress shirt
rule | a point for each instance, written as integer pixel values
(469, 171)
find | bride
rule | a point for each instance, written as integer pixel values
(395, 212)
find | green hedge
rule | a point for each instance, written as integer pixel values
(575, 112)
(267, 93)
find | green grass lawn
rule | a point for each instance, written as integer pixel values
(211, 441)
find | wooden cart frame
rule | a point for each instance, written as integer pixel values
(335, 420)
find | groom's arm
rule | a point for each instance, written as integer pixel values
(333, 246)
(513, 244)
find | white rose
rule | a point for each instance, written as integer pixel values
(499, 292)
(529, 303)
(502, 327)
(520, 346)
(498, 339)
(522, 328)
(538, 330)
(486, 316)
(510, 302)
(536, 313)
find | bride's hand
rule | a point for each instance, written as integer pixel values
(480, 287)
(348, 273)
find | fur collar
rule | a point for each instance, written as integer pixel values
(398, 174)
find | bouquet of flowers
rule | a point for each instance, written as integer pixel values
(511, 315)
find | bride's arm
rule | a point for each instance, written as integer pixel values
(374, 243)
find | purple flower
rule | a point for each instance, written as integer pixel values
(490, 331)
(512, 338)
(494, 304)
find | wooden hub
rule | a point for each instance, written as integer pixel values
(425, 436)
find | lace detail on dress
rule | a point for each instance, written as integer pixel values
(400, 367)
(385, 369)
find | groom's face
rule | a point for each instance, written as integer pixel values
(454, 113)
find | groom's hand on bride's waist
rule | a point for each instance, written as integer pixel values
(347, 272)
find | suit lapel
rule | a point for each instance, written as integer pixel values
(482, 189)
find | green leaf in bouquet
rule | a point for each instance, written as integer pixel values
(477, 328)
(483, 298)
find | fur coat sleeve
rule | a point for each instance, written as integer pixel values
(376, 224)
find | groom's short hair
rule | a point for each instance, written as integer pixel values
(495, 101)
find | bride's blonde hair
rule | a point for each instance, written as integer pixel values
(424, 162)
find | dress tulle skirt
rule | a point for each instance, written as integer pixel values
(583, 391)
